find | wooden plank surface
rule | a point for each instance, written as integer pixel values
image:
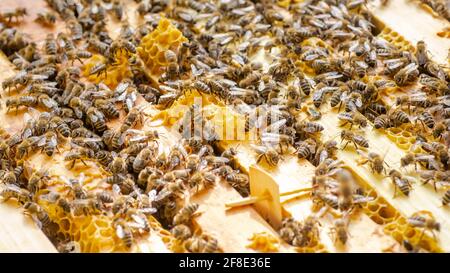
(412, 22)
(19, 233)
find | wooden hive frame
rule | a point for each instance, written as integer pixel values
(215, 217)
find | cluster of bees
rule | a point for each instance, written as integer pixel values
(441, 7)
(219, 61)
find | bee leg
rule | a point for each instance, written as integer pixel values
(345, 145)
(73, 164)
(258, 158)
(395, 191)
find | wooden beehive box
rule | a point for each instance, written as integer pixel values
(380, 226)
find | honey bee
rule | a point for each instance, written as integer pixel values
(98, 69)
(436, 176)
(407, 74)
(185, 214)
(204, 179)
(340, 231)
(122, 45)
(117, 8)
(96, 119)
(422, 53)
(329, 199)
(320, 92)
(13, 191)
(118, 165)
(382, 121)
(79, 154)
(78, 54)
(305, 86)
(375, 161)
(202, 244)
(309, 232)
(308, 127)
(269, 153)
(76, 30)
(49, 143)
(324, 151)
(400, 182)
(17, 13)
(142, 159)
(181, 232)
(425, 220)
(237, 180)
(172, 60)
(46, 19)
(439, 129)
(412, 158)
(123, 232)
(354, 138)
(38, 214)
(86, 206)
(107, 107)
(27, 145)
(354, 118)
(134, 117)
(426, 119)
(306, 149)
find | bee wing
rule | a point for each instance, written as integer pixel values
(358, 103)
(410, 67)
(66, 180)
(78, 113)
(358, 199)
(310, 57)
(13, 187)
(92, 139)
(139, 220)
(258, 148)
(52, 142)
(344, 116)
(121, 88)
(121, 97)
(82, 178)
(152, 195)
(138, 138)
(116, 189)
(148, 210)
(49, 103)
(120, 231)
(35, 77)
(361, 153)
(41, 141)
(275, 127)
(317, 95)
(182, 150)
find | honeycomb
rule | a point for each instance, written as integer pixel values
(396, 39)
(93, 232)
(114, 73)
(154, 45)
(264, 242)
(403, 137)
(314, 247)
(284, 3)
(396, 225)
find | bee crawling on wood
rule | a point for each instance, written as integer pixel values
(401, 182)
(356, 139)
(375, 161)
(425, 220)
